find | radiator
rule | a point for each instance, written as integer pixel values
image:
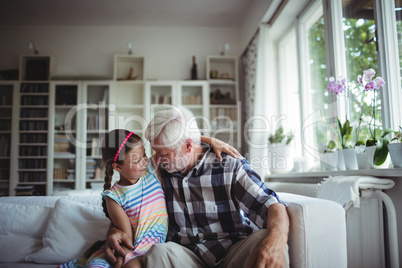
(368, 239)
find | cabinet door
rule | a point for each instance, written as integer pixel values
(65, 121)
(95, 103)
(7, 141)
(224, 101)
(161, 96)
(194, 96)
(127, 107)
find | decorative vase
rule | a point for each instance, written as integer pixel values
(349, 156)
(280, 158)
(395, 151)
(341, 161)
(330, 160)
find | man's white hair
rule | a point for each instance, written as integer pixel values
(173, 127)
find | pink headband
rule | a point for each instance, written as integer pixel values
(121, 146)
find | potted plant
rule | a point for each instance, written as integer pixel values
(330, 156)
(377, 146)
(345, 139)
(280, 151)
(395, 149)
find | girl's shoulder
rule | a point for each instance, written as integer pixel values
(153, 170)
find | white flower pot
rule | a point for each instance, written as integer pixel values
(395, 151)
(330, 161)
(362, 157)
(370, 156)
(349, 156)
(280, 158)
(341, 161)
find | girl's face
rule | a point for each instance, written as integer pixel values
(134, 165)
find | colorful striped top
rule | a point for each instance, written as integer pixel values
(144, 203)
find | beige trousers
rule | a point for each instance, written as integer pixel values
(173, 255)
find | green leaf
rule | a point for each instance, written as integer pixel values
(331, 145)
(381, 151)
(385, 132)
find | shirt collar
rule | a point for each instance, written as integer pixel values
(199, 167)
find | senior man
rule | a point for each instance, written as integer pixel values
(220, 212)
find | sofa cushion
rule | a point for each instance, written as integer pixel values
(21, 230)
(72, 229)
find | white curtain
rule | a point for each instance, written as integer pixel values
(265, 103)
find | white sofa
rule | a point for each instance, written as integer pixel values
(47, 231)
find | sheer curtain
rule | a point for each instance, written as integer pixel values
(263, 109)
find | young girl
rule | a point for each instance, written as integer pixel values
(136, 203)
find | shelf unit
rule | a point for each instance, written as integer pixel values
(33, 126)
(59, 125)
(7, 103)
(225, 109)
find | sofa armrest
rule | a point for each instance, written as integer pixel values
(317, 236)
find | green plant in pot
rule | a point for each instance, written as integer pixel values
(344, 133)
(279, 151)
(346, 136)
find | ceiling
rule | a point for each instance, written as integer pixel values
(169, 13)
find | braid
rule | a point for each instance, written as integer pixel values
(108, 184)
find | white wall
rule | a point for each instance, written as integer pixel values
(89, 51)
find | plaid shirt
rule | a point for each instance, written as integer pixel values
(207, 207)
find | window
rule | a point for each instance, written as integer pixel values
(361, 54)
(313, 85)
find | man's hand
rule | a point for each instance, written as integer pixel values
(113, 243)
(270, 252)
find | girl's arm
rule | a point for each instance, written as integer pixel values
(119, 217)
(122, 222)
(221, 147)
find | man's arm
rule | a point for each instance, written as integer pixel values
(271, 251)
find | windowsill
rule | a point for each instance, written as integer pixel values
(384, 173)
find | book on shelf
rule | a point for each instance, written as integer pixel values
(61, 144)
(4, 146)
(21, 190)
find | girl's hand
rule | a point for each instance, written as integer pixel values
(222, 147)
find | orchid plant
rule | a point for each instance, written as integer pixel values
(374, 84)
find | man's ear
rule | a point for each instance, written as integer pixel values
(189, 145)
(116, 167)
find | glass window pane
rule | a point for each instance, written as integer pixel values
(315, 97)
(398, 13)
(289, 88)
(361, 54)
